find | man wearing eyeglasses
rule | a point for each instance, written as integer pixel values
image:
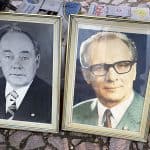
(108, 61)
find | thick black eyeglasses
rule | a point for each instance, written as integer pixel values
(120, 67)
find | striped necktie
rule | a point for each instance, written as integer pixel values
(11, 97)
(107, 117)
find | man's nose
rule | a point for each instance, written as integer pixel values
(111, 74)
(17, 64)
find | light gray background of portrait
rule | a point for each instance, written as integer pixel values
(43, 34)
(83, 91)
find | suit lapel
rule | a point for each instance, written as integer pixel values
(26, 108)
(93, 112)
(132, 117)
(95, 116)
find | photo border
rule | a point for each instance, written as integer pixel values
(77, 22)
(49, 20)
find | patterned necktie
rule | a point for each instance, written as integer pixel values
(107, 115)
(11, 97)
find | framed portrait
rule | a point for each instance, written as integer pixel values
(107, 77)
(30, 61)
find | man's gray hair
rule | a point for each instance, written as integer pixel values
(84, 59)
(15, 28)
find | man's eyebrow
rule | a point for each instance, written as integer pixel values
(7, 51)
(25, 52)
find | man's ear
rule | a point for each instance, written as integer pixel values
(87, 75)
(135, 72)
(0, 56)
(0, 62)
(38, 60)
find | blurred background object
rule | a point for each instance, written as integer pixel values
(6, 4)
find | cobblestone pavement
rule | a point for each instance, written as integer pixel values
(25, 140)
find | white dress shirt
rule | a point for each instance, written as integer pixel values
(117, 111)
(21, 94)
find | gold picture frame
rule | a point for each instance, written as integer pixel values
(43, 99)
(80, 105)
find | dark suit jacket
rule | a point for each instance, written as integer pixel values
(36, 105)
(131, 120)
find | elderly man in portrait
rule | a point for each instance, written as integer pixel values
(109, 61)
(23, 95)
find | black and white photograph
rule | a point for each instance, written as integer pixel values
(109, 78)
(29, 75)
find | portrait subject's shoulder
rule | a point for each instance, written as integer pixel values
(139, 100)
(2, 81)
(41, 94)
(85, 112)
(2, 84)
(42, 89)
(136, 108)
(40, 82)
(90, 104)
(41, 86)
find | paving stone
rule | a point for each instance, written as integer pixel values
(57, 142)
(140, 145)
(33, 142)
(49, 148)
(149, 140)
(65, 143)
(76, 141)
(3, 147)
(81, 146)
(16, 138)
(2, 138)
(97, 147)
(119, 144)
(87, 146)
(104, 147)
(104, 139)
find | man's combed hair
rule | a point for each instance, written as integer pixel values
(100, 36)
(15, 28)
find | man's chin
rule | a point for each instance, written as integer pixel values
(113, 97)
(17, 82)
(113, 90)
